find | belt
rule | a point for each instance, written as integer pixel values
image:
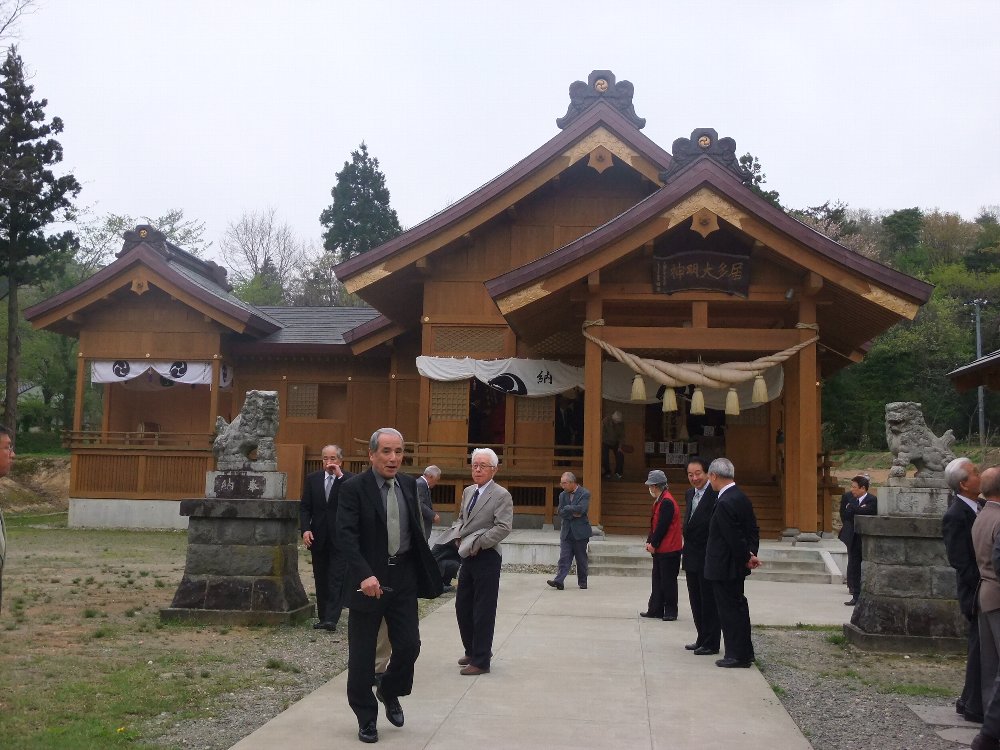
(399, 559)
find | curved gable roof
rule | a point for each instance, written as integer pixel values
(570, 260)
(363, 270)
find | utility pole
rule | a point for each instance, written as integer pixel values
(977, 304)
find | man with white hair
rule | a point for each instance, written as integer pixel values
(730, 555)
(486, 518)
(425, 483)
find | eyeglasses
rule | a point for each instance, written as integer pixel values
(482, 467)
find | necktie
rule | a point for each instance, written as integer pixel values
(392, 517)
(472, 503)
(695, 500)
(329, 486)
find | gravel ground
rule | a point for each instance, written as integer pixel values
(839, 697)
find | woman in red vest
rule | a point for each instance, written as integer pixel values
(664, 543)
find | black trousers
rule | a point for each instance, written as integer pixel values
(329, 571)
(476, 605)
(663, 596)
(854, 566)
(972, 692)
(619, 459)
(400, 612)
(570, 549)
(703, 610)
(734, 617)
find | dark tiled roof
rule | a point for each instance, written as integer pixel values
(210, 286)
(314, 325)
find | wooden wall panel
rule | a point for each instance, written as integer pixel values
(182, 408)
(531, 241)
(748, 447)
(368, 411)
(408, 407)
(459, 300)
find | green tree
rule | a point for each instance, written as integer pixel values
(360, 217)
(263, 288)
(31, 198)
(756, 178)
(319, 287)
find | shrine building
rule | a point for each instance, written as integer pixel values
(602, 273)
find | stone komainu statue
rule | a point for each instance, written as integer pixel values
(911, 442)
(253, 429)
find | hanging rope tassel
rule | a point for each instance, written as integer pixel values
(697, 402)
(759, 390)
(669, 400)
(732, 403)
(638, 388)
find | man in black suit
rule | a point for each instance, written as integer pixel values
(730, 555)
(956, 527)
(857, 501)
(318, 523)
(380, 530)
(699, 507)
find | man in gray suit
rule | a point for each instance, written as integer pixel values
(425, 483)
(574, 532)
(485, 520)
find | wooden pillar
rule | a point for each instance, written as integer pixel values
(592, 380)
(394, 388)
(802, 436)
(793, 430)
(81, 375)
(213, 393)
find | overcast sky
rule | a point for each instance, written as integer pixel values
(220, 107)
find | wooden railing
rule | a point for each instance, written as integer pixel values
(74, 439)
(139, 465)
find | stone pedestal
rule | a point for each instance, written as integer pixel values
(908, 589)
(242, 563)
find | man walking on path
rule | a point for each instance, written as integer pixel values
(574, 531)
(700, 505)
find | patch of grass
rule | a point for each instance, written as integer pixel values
(29, 520)
(779, 691)
(90, 613)
(281, 665)
(921, 691)
(837, 639)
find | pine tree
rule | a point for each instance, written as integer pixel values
(31, 198)
(360, 217)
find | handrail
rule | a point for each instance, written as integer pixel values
(136, 439)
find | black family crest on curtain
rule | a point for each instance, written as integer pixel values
(601, 86)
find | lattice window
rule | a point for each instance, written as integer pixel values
(462, 340)
(303, 400)
(449, 400)
(750, 417)
(560, 344)
(535, 409)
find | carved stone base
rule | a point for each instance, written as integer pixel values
(242, 564)
(908, 589)
(914, 497)
(257, 485)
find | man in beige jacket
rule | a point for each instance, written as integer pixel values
(985, 538)
(485, 520)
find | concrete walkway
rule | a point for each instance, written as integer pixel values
(575, 669)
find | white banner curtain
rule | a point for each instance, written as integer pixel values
(543, 377)
(158, 373)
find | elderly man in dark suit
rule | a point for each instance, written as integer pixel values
(574, 531)
(389, 565)
(484, 521)
(857, 501)
(699, 507)
(318, 523)
(962, 477)
(730, 555)
(426, 483)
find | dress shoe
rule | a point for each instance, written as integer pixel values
(669, 618)
(732, 664)
(853, 602)
(691, 646)
(959, 706)
(650, 614)
(556, 584)
(472, 669)
(393, 711)
(319, 625)
(705, 651)
(583, 585)
(985, 742)
(368, 733)
(326, 625)
(975, 718)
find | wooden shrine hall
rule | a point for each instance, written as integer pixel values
(599, 274)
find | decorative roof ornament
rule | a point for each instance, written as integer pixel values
(705, 142)
(144, 233)
(601, 85)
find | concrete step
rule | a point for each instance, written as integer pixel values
(622, 571)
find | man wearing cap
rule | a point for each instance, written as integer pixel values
(612, 437)
(664, 543)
